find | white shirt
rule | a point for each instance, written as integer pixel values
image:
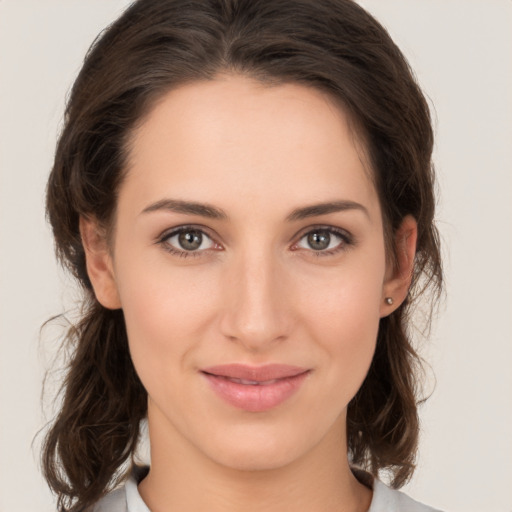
(128, 499)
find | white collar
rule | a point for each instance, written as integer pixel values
(384, 499)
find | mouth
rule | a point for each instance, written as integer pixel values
(245, 381)
(255, 389)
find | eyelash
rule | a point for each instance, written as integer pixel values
(346, 241)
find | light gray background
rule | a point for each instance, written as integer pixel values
(462, 53)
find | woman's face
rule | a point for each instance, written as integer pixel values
(248, 234)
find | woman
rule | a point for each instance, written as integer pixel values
(244, 189)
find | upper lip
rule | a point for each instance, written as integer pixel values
(255, 373)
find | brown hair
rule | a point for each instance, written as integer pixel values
(333, 45)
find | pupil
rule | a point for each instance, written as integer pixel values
(190, 240)
(319, 240)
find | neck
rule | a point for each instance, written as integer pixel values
(183, 479)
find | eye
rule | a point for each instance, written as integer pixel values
(325, 241)
(186, 241)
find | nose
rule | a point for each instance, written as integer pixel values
(257, 310)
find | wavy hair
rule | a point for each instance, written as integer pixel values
(156, 45)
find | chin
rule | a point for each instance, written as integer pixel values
(254, 458)
(258, 449)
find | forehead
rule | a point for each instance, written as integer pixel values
(211, 140)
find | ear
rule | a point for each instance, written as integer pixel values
(399, 273)
(99, 263)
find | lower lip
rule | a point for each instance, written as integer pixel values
(255, 398)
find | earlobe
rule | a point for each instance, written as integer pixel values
(399, 274)
(99, 263)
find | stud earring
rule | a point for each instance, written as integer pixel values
(389, 301)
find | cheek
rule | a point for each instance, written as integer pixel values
(343, 317)
(347, 326)
(346, 300)
(165, 313)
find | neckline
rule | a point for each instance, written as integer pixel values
(135, 503)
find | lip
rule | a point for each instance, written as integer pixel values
(255, 388)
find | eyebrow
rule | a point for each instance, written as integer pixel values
(212, 212)
(325, 208)
(189, 207)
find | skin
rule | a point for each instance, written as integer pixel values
(255, 292)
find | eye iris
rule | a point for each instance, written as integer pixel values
(190, 240)
(319, 240)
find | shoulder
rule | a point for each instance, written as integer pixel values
(386, 499)
(114, 501)
(127, 497)
(391, 500)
